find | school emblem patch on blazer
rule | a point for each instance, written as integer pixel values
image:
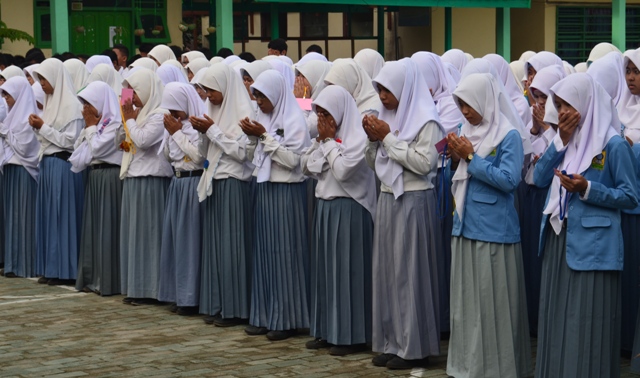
(598, 161)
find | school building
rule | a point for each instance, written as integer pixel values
(397, 28)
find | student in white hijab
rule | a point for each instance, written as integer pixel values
(370, 61)
(19, 170)
(161, 53)
(58, 227)
(78, 73)
(216, 59)
(517, 69)
(146, 176)
(190, 56)
(226, 191)
(279, 286)
(402, 152)
(195, 65)
(107, 74)
(285, 69)
(536, 63)
(9, 72)
(231, 59)
(541, 129)
(99, 253)
(251, 72)
(608, 71)
(525, 56)
(309, 83)
(568, 68)
(342, 237)
(93, 61)
(144, 63)
(486, 254)
(39, 95)
(181, 251)
(581, 67)
(177, 65)
(600, 50)
(28, 72)
(629, 104)
(171, 74)
(196, 84)
(350, 76)
(511, 86)
(455, 57)
(311, 56)
(592, 176)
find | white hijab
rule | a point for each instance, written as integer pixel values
(216, 59)
(629, 104)
(370, 60)
(541, 60)
(12, 71)
(62, 106)
(608, 71)
(93, 61)
(77, 72)
(581, 67)
(543, 81)
(230, 59)
(517, 69)
(147, 63)
(17, 123)
(342, 107)
(511, 85)
(525, 56)
(255, 68)
(600, 50)
(415, 109)
(106, 74)
(308, 57)
(350, 76)
(484, 93)
(196, 64)
(598, 124)
(29, 70)
(102, 97)
(568, 68)
(192, 55)
(236, 105)
(39, 95)
(456, 58)
(315, 72)
(170, 74)
(162, 53)
(149, 88)
(286, 116)
(286, 71)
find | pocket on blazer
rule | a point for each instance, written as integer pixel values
(484, 198)
(595, 221)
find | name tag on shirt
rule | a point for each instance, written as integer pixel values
(598, 161)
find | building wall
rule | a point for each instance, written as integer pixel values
(18, 15)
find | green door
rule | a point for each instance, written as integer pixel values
(95, 31)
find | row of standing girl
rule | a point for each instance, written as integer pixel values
(170, 211)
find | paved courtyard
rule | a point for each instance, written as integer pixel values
(58, 332)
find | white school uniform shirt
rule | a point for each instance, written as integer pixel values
(185, 149)
(147, 139)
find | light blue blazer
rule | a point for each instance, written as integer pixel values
(489, 212)
(594, 236)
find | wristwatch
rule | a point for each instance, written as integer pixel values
(263, 137)
(469, 158)
(325, 140)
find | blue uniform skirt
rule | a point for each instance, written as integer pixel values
(59, 201)
(445, 216)
(18, 190)
(341, 272)
(407, 238)
(278, 289)
(227, 250)
(99, 265)
(143, 205)
(579, 324)
(630, 278)
(531, 200)
(181, 244)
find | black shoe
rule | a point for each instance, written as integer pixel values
(127, 300)
(281, 335)
(187, 311)
(56, 282)
(255, 331)
(144, 301)
(227, 322)
(211, 318)
(2, 272)
(317, 343)
(344, 350)
(382, 359)
(173, 307)
(397, 363)
(10, 275)
(43, 280)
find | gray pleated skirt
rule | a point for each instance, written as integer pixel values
(181, 244)
(406, 240)
(143, 205)
(18, 197)
(99, 263)
(489, 326)
(227, 250)
(341, 272)
(278, 289)
(579, 323)
(59, 202)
